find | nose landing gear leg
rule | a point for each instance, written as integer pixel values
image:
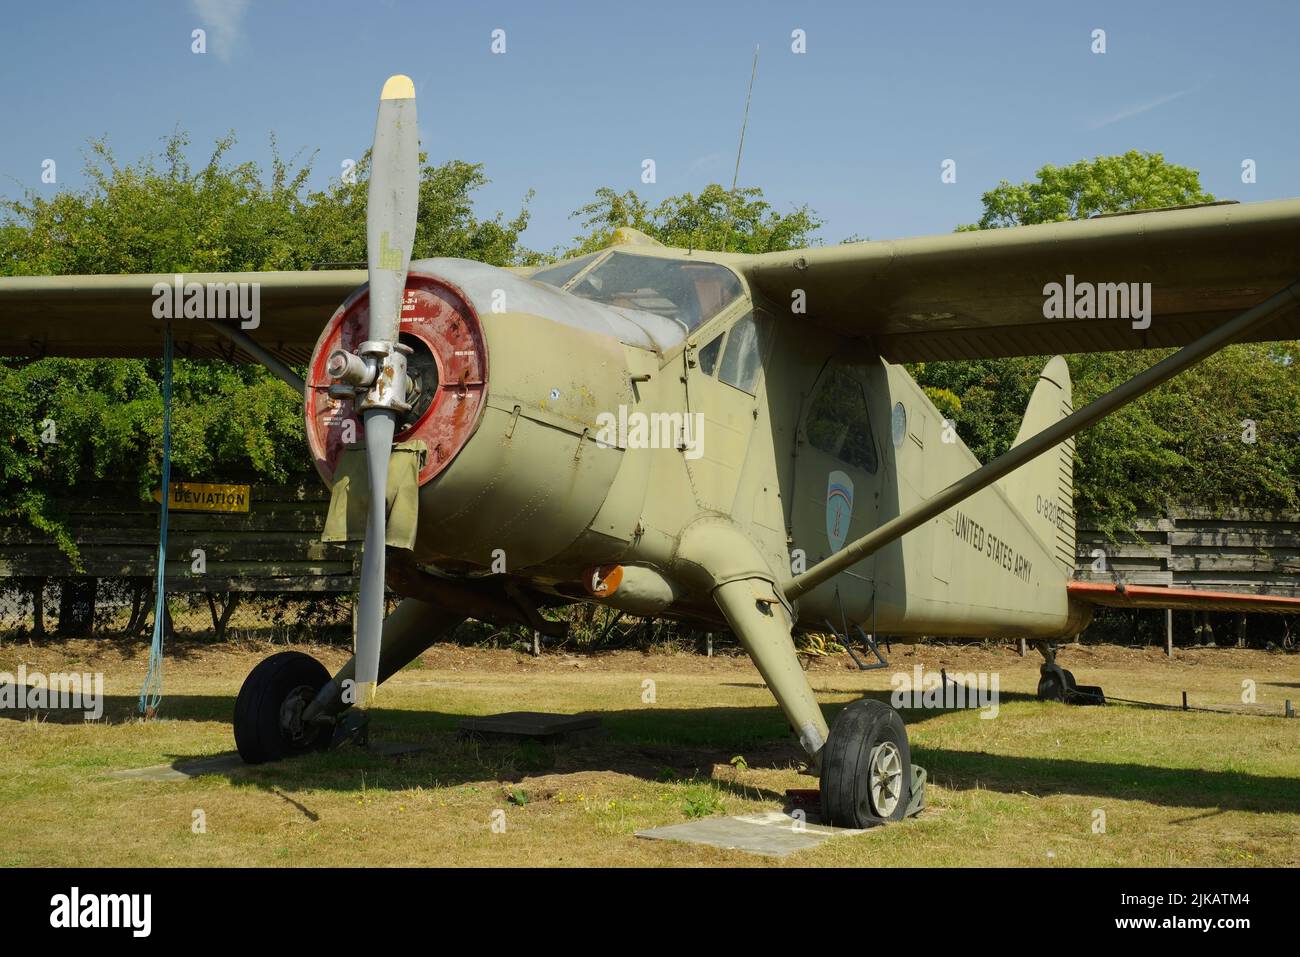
(864, 760)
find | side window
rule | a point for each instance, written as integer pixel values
(741, 360)
(837, 421)
(709, 355)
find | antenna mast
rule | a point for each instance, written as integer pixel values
(735, 177)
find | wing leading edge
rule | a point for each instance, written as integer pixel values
(116, 315)
(980, 294)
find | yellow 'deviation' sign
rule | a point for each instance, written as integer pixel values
(201, 497)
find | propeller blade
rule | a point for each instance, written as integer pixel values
(380, 425)
(392, 205)
(391, 212)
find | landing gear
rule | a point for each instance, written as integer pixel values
(1057, 684)
(866, 774)
(269, 710)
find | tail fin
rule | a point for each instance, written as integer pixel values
(1043, 489)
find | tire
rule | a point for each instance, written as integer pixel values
(258, 734)
(863, 732)
(1055, 684)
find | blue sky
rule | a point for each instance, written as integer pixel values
(857, 127)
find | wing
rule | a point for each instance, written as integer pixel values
(1154, 596)
(981, 294)
(115, 315)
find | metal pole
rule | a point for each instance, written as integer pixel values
(1169, 632)
(151, 691)
(249, 345)
(1053, 435)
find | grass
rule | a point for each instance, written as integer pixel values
(1027, 788)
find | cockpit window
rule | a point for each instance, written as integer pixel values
(686, 292)
(562, 272)
(838, 421)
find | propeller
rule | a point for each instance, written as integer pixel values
(376, 373)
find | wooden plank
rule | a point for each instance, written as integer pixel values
(1116, 552)
(333, 584)
(1225, 515)
(1236, 563)
(1235, 538)
(255, 521)
(1134, 576)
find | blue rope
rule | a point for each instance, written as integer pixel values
(151, 692)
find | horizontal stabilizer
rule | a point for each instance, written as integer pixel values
(1110, 595)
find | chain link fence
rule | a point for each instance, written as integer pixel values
(35, 609)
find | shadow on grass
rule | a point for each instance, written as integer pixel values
(683, 746)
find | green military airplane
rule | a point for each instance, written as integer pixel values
(719, 438)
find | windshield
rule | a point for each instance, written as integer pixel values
(562, 272)
(686, 292)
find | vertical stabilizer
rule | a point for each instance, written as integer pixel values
(1043, 490)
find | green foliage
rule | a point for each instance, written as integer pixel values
(718, 218)
(1188, 442)
(227, 421)
(702, 800)
(162, 215)
(1107, 184)
(1181, 444)
(333, 222)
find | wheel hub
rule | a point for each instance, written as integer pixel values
(886, 778)
(291, 710)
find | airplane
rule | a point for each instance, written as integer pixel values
(724, 439)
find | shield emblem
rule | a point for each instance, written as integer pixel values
(839, 508)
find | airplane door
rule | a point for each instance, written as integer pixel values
(722, 388)
(837, 476)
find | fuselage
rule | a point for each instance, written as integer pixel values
(616, 414)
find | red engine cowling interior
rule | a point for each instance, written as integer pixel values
(449, 363)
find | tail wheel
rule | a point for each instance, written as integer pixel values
(268, 711)
(866, 772)
(1055, 683)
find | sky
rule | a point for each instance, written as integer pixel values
(857, 127)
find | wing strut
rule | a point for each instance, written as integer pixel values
(246, 342)
(1053, 435)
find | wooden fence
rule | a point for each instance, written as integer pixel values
(1227, 550)
(273, 552)
(274, 547)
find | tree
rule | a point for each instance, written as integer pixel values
(720, 219)
(1107, 184)
(334, 221)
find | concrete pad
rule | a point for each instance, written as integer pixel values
(528, 724)
(770, 833)
(185, 769)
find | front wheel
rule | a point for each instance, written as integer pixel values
(866, 766)
(268, 711)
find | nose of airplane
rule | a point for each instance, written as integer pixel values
(447, 369)
(529, 444)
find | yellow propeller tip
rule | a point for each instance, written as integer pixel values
(398, 87)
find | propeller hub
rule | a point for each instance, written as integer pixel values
(349, 369)
(388, 388)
